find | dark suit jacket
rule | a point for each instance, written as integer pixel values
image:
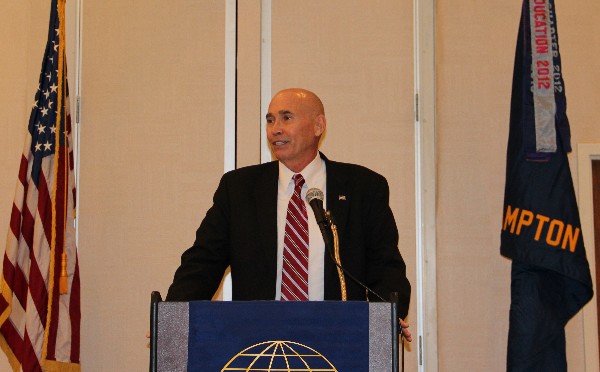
(240, 230)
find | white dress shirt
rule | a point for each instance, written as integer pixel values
(314, 176)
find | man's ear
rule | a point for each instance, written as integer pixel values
(320, 125)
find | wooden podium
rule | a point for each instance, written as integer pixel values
(320, 336)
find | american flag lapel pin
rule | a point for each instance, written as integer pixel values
(342, 197)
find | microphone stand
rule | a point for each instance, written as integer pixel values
(336, 250)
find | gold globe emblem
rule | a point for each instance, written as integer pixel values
(279, 356)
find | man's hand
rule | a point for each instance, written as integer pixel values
(405, 332)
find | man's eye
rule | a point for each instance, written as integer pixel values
(287, 117)
(270, 120)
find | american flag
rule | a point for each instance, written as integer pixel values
(40, 292)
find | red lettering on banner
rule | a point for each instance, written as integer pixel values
(543, 83)
(543, 75)
(541, 27)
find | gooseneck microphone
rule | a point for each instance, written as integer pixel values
(314, 197)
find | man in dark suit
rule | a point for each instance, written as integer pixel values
(244, 229)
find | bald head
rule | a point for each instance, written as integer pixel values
(295, 123)
(310, 101)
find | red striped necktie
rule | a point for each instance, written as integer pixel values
(294, 275)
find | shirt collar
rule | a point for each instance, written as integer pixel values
(308, 173)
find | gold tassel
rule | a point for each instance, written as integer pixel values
(63, 285)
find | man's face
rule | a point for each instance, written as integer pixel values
(293, 129)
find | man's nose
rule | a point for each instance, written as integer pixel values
(276, 128)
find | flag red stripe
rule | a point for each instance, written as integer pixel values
(53, 326)
(37, 290)
(16, 278)
(20, 286)
(30, 361)
(27, 227)
(8, 271)
(23, 170)
(12, 337)
(15, 221)
(45, 207)
(75, 314)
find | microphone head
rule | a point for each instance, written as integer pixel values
(314, 193)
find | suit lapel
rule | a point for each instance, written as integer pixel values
(337, 194)
(338, 204)
(265, 195)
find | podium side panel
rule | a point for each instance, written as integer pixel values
(172, 340)
(380, 337)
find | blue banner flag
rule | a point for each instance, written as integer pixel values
(541, 230)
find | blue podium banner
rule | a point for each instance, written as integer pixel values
(274, 336)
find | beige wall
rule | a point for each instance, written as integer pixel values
(152, 141)
(475, 53)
